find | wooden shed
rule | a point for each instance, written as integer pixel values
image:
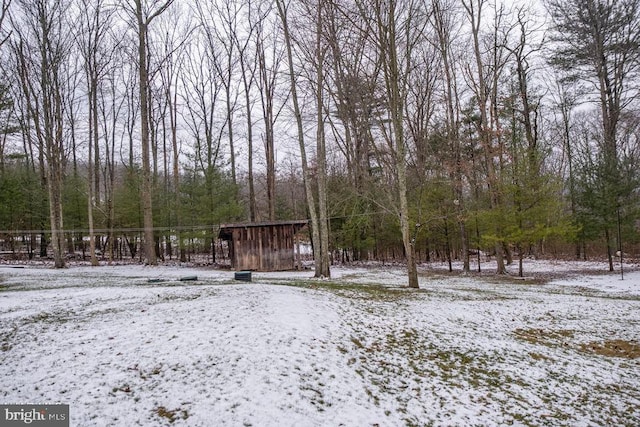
(262, 246)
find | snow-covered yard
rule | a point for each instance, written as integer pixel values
(356, 350)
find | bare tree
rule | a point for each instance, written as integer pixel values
(220, 24)
(31, 147)
(320, 50)
(144, 16)
(111, 106)
(530, 190)
(312, 42)
(4, 8)
(42, 46)
(248, 68)
(565, 100)
(6, 104)
(395, 29)
(445, 18)
(372, 87)
(91, 39)
(203, 91)
(483, 77)
(351, 78)
(306, 172)
(269, 56)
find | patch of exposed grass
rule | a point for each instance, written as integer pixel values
(147, 373)
(617, 297)
(479, 294)
(556, 338)
(171, 414)
(538, 279)
(613, 348)
(315, 395)
(549, 338)
(490, 277)
(177, 297)
(362, 291)
(6, 339)
(540, 357)
(58, 316)
(407, 363)
(357, 342)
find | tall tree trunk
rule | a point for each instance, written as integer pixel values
(146, 187)
(485, 130)
(311, 204)
(109, 131)
(267, 85)
(443, 30)
(93, 188)
(40, 80)
(565, 104)
(92, 241)
(321, 150)
(54, 186)
(56, 172)
(173, 112)
(232, 148)
(247, 82)
(395, 83)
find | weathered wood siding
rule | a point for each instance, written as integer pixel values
(269, 247)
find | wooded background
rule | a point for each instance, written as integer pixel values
(403, 129)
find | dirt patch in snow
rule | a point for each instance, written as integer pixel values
(613, 348)
(171, 414)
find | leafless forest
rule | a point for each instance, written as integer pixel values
(404, 130)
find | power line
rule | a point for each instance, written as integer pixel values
(118, 230)
(206, 227)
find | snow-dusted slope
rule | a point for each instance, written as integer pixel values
(287, 351)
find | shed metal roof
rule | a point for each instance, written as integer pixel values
(226, 228)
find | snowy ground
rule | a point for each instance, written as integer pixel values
(356, 350)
